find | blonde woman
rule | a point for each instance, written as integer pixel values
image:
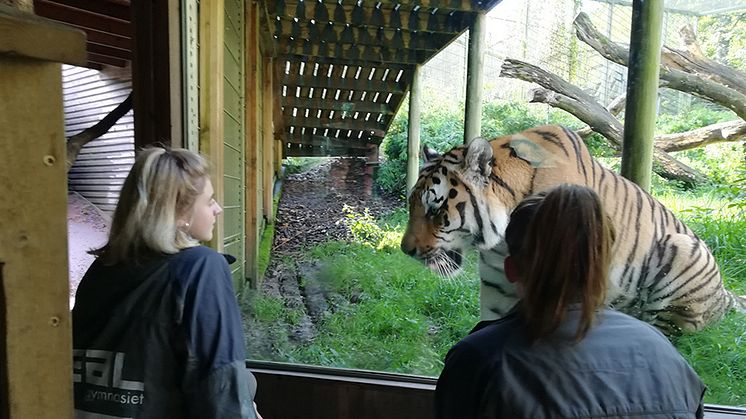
(560, 353)
(156, 328)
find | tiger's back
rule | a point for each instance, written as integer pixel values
(661, 271)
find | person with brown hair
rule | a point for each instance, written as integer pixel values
(156, 327)
(561, 352)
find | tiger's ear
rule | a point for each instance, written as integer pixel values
(478, 157)
(534, 154)
(429, 154)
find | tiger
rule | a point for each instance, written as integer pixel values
(661, 272)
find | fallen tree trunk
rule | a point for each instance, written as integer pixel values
(677, 79)
(77, 141)
(715, 133)
(559, 93)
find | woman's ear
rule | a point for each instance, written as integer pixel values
(511, 270)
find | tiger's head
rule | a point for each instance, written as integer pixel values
(464, 197)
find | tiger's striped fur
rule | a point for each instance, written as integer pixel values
(661, 271)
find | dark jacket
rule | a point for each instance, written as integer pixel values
(622, 368)
(162, 339)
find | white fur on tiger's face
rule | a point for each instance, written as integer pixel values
(661, 272)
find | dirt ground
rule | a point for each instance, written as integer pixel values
(87, 228)
(309, 213)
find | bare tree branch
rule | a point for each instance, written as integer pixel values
(561, 94)
(716, 133)
(677, 79)
(77, 141)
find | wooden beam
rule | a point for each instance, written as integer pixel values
(268, 139)
(108, 51)
(26, 35)
(413, 130)
(369, 16)
(211, 127)
(151, 73)
(320, 140)
(354, 54)
(82, 18)
(288, 29)
(361, 84)
(105, 38)
(36, 347)
(326, 104)
(253, 85)
(106, 60)
(310, 151)
(444, 5)
(104, 8)
(474, 77)
(370, 128)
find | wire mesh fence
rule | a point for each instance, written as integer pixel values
(541, 32)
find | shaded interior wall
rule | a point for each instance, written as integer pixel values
(89, 95)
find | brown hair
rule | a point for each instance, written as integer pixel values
(161, 187)
(561, 243)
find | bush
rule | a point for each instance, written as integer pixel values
(443, 129)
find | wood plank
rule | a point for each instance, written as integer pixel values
(253, 85)
(353, 54)
(105, 59)
(36, 347)
(320, 140)
(268, 140)
(325, 104)
(106, 39)
(26, 35)
(83, 18)
(104, 8)
(323, 152)
(151, 74)
(371, 128)
(375, 85)
(211, 33)
(369, 16)
(287, 29)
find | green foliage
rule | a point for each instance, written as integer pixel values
(723, 38)
(722, 162)
(689, 119)
(362, 226)
(443, 127)
(295, 165)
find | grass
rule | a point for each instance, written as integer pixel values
(392, 314)
(718, 353)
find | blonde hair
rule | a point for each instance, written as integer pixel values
(161, 188)
(561, 244)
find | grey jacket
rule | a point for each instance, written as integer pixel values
(622, 368)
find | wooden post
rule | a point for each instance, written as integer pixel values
(413, 142)
(642, 91)
(36, 348)
(269, 138)
(474, 76)
(211, 54)
(252, 84)
(22, 5)
(153, 77)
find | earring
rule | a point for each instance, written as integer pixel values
(186, 225)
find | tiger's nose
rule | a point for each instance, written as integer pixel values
(410, 251)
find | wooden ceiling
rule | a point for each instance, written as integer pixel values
(105, 22)
(345, 66)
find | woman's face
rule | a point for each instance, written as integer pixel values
(203, 214)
